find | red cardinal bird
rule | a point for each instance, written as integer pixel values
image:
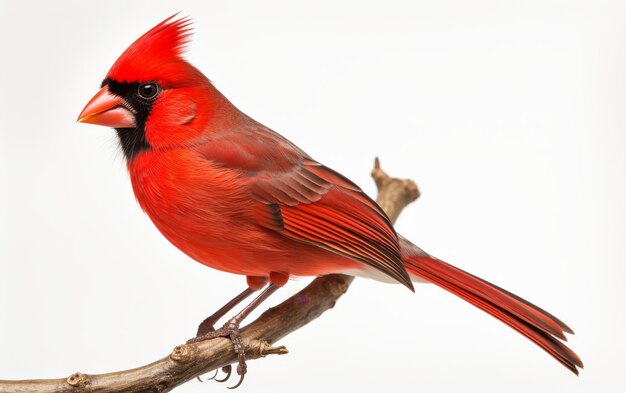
(236, 196)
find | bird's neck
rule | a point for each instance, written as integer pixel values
(221, 114)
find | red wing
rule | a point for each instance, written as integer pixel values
(313, 204)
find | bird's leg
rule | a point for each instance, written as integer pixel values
(208, 324)
(231, 330)
(254, 284)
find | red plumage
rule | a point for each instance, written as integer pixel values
(156, 55)
(541, 327)
(238, 197)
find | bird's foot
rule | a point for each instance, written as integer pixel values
(206, 327)
(230, 330)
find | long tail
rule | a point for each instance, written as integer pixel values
(541, 327)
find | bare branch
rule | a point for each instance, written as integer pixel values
(188, 361)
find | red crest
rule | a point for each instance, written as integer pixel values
(156, 55)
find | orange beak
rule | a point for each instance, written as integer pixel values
(109, 110)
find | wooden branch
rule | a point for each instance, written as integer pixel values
(188, 361)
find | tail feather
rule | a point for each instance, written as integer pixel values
(538, 325)
(561, 324)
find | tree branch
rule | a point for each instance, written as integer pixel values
(188, 361)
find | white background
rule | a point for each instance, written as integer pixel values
(509, 115)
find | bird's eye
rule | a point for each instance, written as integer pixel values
(148, 91)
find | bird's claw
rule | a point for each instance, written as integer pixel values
(214, 375)
(208, 379)
(227, 369)
(241, 376)
(230, 330)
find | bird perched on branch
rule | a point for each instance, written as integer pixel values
(236, 196)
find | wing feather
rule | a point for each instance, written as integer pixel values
(318, 206)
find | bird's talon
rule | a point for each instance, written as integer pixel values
(213, 377)
(241, 376)
(228, 370)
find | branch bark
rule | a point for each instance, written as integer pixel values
(188, 361)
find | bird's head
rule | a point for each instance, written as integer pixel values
(151, 95)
